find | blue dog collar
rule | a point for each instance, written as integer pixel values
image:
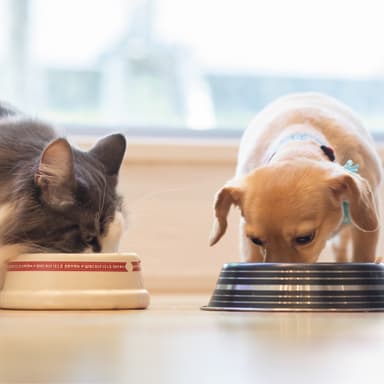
(328, 151)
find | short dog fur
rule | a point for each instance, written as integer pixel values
(292, 187)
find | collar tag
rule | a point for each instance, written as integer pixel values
(352, 167)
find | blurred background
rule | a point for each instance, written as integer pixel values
(185, 67)
(182, 79)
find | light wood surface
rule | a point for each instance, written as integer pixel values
(175, 342)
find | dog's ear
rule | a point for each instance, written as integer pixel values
(228, 195)
(356, 190)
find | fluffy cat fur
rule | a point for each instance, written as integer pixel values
(54, 197)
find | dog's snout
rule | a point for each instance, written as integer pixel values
(281, 255)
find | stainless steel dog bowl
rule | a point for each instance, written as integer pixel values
(299, 287)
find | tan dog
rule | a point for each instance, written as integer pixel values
(292, 187)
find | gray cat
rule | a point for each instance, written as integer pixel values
(54, 197)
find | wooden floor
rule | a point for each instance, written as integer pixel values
(175, 342)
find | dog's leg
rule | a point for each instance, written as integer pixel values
(249, 252)
(340, 245)
(364, 246)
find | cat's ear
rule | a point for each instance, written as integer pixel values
(55, 174)
(110, 152)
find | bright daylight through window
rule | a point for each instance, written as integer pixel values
(181, 64)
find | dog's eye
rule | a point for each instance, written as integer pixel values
(306, 239)
(256, 240)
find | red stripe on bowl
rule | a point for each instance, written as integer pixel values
(136, 266)
(72, 266)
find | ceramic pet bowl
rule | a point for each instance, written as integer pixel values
(74, 281)
(299, 287)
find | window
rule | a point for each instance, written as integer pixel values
(186, 66)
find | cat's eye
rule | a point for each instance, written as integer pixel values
(90, 239)
(257, 241)
(305, 239)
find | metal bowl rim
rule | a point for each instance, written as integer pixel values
(308, 266)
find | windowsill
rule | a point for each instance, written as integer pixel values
(178, 151)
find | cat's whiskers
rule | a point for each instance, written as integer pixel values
(102, 201)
